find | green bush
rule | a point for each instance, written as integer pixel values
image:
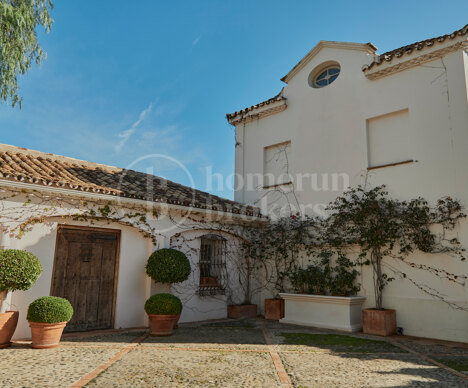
(50, 309)
(19, 270)
(168, 266)
(322, 278)
(163, 304)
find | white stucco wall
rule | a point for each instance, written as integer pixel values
(328, 132)
(133, 285)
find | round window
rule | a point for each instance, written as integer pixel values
(324, 76)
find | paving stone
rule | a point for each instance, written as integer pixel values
(147, 367)
(352, 370)
(21, 366)
(240, 358)
(114, 339)
(211, 337)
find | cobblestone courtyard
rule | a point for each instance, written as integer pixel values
(253, 353)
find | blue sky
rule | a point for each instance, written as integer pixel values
(128, 79)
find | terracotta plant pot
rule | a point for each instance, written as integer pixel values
(238, 311)
(176, 324)
(208, 281)
(8, 322)
(162, 325)
(274, 309)
(46, 335)
(379, 322)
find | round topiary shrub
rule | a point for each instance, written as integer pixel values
(50, 309)
(168, 266)
(19, 270)
(163, 304)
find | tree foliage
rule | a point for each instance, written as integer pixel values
(325, 276)
(276, 247)
(168, 265)
(19, 270)
(367, 220)
(19, 46)
(381, 226)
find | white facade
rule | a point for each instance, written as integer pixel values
(410, 113)
(133, 285)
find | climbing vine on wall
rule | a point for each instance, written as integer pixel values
(35, 207)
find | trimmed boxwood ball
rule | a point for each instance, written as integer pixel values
(163, 304)
(19, 269)
(50, 309)
(168, 266)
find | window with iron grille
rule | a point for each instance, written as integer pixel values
(212, 264)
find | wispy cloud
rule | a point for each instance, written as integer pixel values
(196, 40)
(125, 135)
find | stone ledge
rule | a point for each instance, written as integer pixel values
(344, 300)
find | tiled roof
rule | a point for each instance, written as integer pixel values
(278, 97)
(28, 166)
(417, 46)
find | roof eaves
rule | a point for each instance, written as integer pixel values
(367, 47)
(388, 56)
(239, 116)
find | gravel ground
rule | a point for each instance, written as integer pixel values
(146, 367)
(339, 370)
(114, 339)
(21, 366)
(234, 354)
(212, 338)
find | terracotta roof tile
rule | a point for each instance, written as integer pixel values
(28, 166)
(417, 46)
(278, 97)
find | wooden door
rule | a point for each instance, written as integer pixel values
(85, 273)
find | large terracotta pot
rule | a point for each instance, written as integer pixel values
(162, 325)
(8, 322)
(237, 311)
(379, 322)
(46, 335)
(274, 309)
(176, 324)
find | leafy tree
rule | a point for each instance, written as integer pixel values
(19, 270)
(19, 47)
(382, 226)
(168, 266)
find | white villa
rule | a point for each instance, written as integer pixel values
(349, 116)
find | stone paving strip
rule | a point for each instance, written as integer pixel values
(281, 372)
(86, 379)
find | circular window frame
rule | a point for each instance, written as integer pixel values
(312, 80)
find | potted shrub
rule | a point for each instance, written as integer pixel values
(47, 318)
(384, 227)
(168, 266)
(163, 311)
(19, 270)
